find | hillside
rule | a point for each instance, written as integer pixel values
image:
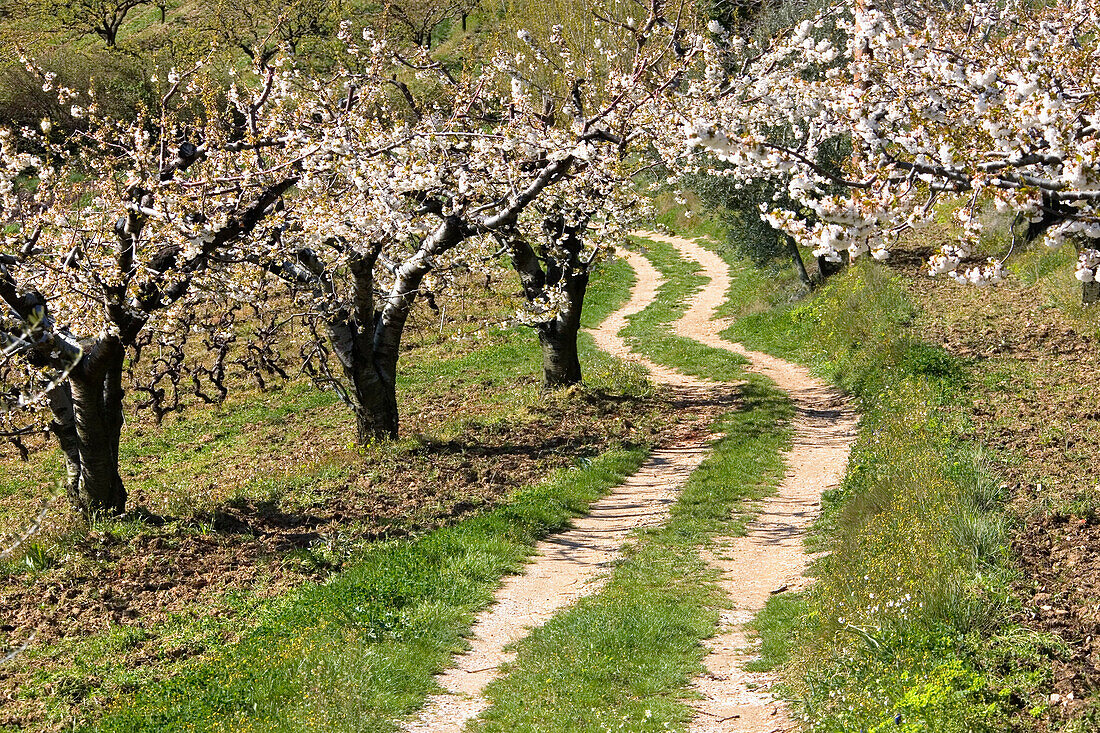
(345, 387)
(1008, 642)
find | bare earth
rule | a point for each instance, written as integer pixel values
(572, 564)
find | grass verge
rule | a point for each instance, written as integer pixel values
(360, 650)
(912, 625)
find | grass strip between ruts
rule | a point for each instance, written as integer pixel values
(650, 333)
(623, 658)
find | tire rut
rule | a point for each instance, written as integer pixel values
(770, 557)
(573, 564)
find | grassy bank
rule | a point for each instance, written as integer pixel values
(325, 627)
(912, 624)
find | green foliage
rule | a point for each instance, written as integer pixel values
(121, 82)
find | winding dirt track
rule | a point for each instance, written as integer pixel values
(770, 557)
(569, 565)
(572, 564)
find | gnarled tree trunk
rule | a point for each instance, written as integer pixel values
(367, 340)
(88, 420)
(561, 366)
(371, 392)
(559, 267)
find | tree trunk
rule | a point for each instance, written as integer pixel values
(373, 392)
(561, 366)
(376, 415)
(88, 421)
(796, 258)
(827, 268)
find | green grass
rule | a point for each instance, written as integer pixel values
(910, 625)
(360, 650)
(382, 628)
(622, 659)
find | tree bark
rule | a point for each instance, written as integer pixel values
(376, 414)
(796, 258)
(561, 366)
(88, 420)
(827, 268)
(373, 391)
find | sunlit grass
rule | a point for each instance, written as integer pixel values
(622, 659)
(399, 609)
(912, 617)
(650, 331)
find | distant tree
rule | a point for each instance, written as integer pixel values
(996, 106)
(260, 28)
(103, 18)
(418, 20)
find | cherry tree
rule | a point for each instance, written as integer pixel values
(554, 249)
(410, 186)
(104, 18)
(1007, 113)
(608, 74)
(115, 232)
(997, 105)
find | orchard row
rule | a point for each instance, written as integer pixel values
(330, 203)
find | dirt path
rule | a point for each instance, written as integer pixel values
(572, 564)
(770, 557)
